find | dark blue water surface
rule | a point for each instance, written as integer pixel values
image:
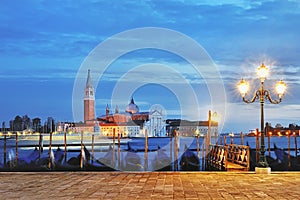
(157, 147)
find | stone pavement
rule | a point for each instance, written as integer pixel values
(149, 185)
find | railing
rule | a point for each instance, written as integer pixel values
(229, 157)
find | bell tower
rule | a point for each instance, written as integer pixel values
(89, 101)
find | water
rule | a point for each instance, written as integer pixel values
(26, 144)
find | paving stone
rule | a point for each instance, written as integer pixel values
(149, 185)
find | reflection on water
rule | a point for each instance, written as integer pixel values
(105, 154)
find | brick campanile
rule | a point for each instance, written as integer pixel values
(89, 101)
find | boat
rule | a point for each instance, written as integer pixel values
(107, 161)
(27, 163)
(189, 161)
(161, 162)
(132, 162)
(286, 162)
(140, 146)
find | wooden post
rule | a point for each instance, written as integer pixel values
(119, 150)
(50, 147)
(17, 153)
(296, 145)
(4, 151)
(81, 150)
(113, 148)
(175, 150)
(206, 147)
(203, 159)
(289, 148)
(65, 144)
(146, 152)
(231, 139)
(269, 143)
(208, 133)
(93, 153)
(40, 145)
(197, 146)
(221, 141)
(225, 142)
(242, 138)
(171, 143)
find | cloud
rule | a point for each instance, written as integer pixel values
(48, 40)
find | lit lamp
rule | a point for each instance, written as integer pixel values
(261, 94)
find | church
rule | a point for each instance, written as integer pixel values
(131, 122)
(128, 123)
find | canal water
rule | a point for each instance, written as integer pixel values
(99, 146)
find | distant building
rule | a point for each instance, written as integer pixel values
(90, 124)
(123, 129)
(89, 102)
(191, 128)
(156, 126)
(132, 122)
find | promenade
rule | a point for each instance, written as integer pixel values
(149, 185)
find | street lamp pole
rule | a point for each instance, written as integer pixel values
(262, 94)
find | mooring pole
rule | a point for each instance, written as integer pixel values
(4, 151)
(50, 148)
(197, 146)
(17, 154)
(171, 144)
(296, 146)
(113, 147)
(146, 152)
(81, 150)
(65, 145)
(93, 153)
(119, 149)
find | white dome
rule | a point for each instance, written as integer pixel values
(132, 107)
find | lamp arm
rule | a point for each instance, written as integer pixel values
(255, 96)
(268, 96)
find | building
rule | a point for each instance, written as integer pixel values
(132, 122)
(156, 125)
(123, 129)
(90, 124)
(89, 102)
(191, 128)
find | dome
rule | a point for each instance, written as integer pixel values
(132, 107)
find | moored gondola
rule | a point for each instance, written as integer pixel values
(161, 162)
(189, 161)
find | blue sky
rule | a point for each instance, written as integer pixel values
(43, 44)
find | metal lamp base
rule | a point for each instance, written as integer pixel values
(262, 170)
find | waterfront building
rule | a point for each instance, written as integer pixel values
(156, 125)
(122, 129)
(132, 122)
(90, 124)
(191, 128)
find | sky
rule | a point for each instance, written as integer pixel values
(45, 47)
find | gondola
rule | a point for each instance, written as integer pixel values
(107, 160)
(28, 163)
(132, 162)
(189, 161)
(286, 162)
(161, 162)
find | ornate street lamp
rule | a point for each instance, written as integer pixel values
(262, 94)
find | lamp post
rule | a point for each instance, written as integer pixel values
(261, 94)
